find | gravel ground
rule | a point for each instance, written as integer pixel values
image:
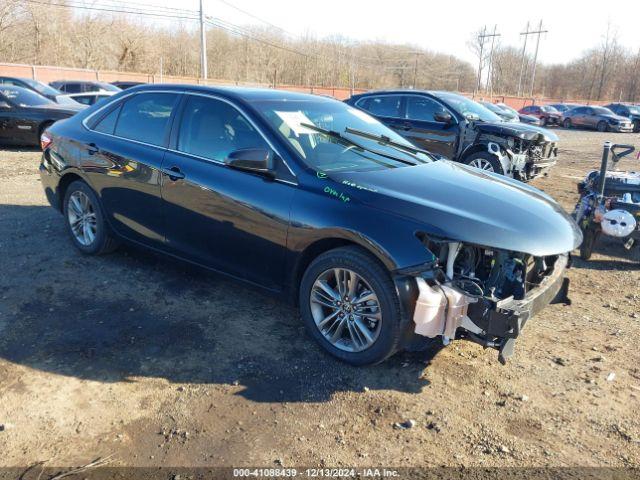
(160, 364)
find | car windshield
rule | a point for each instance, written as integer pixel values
(108, 87)
(549, 109)
(561, 108)
(23, 97)
(468, 108)
(40, 87)
(602, 111)
(326, 153)
(508, 108)
(634, 109)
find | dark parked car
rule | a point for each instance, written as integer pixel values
(596, 117)
(632, 112)
(38, 87)
(463, 130)
(528, 119)
(24, 115)
(563, 107)
(547, 114)
(123, 85)
(504, 113)
(317, 201)
(76, 86)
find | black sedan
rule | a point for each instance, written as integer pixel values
(30, 84)
(24, 115)
(318, 202)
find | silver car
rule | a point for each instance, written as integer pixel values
(600, 118)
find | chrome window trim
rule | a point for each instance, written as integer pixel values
(199, 94)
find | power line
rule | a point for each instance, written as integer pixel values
(112, 10)
(255, 17)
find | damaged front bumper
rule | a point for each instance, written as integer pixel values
(489, 322)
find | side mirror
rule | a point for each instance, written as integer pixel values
(443, 117)
(257, 160)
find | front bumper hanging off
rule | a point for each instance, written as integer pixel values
(497, 323)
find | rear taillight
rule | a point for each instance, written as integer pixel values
(45, 140)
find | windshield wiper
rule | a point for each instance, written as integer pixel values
(386, 141)
(334, 134)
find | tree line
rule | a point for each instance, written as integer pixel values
(43, 33)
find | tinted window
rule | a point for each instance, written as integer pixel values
(384, 106)
(23, 97)
(213, 129)
(108, 123)
(86, 99)
(71, 88)
(422, 108)
(145, 117)
(579, 110)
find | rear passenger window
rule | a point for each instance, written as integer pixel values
(145, 117)
(212, 129)
(108, 123)
(383, 106)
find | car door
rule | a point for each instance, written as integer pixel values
(17, 124)
(230, 220)
(122, 160)
(589, 119)
(427, 130)
(578, 116)
(388, 109)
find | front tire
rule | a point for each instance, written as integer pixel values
(567, 123)
(85, 221)
(485, 161)
(590, 235)
(349, 305)
(603, 126)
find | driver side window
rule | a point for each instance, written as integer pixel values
(423, 109)
(212, 129)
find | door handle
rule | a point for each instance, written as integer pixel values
(174, 173)
(92, 149)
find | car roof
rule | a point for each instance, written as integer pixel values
(238, 93)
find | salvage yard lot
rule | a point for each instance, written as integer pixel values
(159, 363)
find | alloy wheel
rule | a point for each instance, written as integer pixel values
(82, 218)
(345, 310)
(482, 164)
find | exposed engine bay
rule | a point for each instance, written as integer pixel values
(524, 151)
(481, 293)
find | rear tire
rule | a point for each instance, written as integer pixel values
(376, 279)
(85, 220)
(484, 161)
(603, 126)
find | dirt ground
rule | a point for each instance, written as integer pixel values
(160, 364)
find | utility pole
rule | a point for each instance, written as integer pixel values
(482, 37)
(526, 34)
(203, 45)
(415, 70)
(535, 57)
(479, 79)
(490, 71)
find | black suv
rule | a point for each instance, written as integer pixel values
(460, 129)
(632, 112)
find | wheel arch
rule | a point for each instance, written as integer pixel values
(65, 180)
(321, 245)
(483, 147)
